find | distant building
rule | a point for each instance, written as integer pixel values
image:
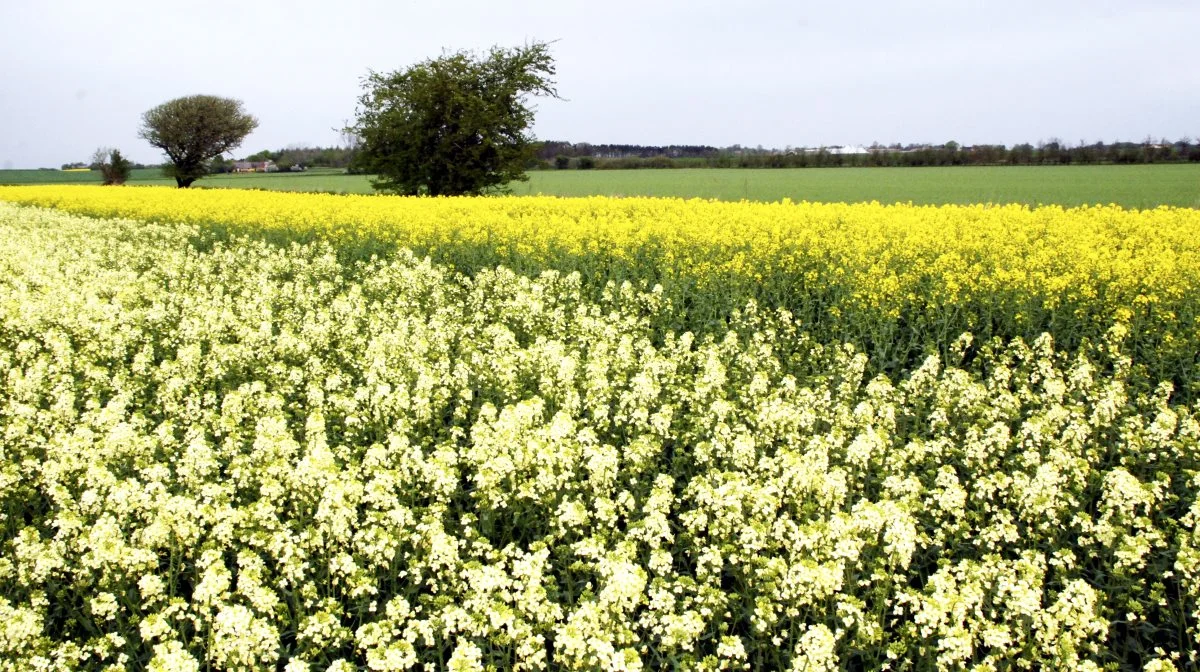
(267, 166)
(833, 149)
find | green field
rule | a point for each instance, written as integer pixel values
(139, 176)
(1139, 186)
(1131, 186)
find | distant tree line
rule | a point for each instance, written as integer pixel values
(582, 155)
(306, 157)
(551, 149)
(562, 155)
(95, 164)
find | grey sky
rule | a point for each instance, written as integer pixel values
(78, 75)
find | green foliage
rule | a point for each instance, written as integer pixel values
(117, 169)
(562, 162)
(113, 168)
(220, 165)
(454, 125)
(585, 163)
(264, 155)
(193, 130)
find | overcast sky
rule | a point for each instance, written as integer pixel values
(78, 75)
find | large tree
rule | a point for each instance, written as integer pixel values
(193, 130)
(457, 124)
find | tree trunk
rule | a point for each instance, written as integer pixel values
(184, 182)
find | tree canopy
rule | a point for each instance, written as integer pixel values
(457, 124)
(114, 168)
(194, 130)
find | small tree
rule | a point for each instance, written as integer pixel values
(562, 162)
(194, 130)
(114, 168)
(264, 155)
(219, 164)
(453, 125)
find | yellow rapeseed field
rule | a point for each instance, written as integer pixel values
(898, 281)
(255, 431)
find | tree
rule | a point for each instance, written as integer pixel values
(193, 130)
(1021, 154)
(458, 124)
(220, 164)
(114, 168)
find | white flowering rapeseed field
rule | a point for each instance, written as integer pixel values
(236, 453)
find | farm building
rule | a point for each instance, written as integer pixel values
(255, 167)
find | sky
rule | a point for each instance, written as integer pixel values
(78, 75)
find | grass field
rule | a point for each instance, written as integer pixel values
(139, 176)
(1129, 186)
(1142, 186)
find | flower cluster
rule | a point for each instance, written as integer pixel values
(258, 453)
